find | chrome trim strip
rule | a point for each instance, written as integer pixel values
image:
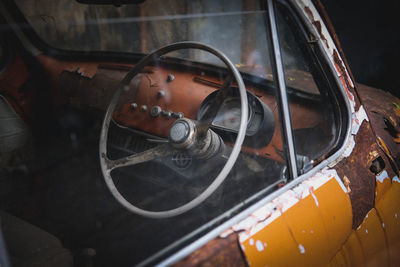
(283, 104)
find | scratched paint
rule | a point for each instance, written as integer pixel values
(357, 120)
(259, 245)
(265, 215)
(294, 223)
(302, 249)
(349, 148)
(383, 185)
(309, 10)
(315, 199)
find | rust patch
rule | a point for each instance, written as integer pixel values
(372, 156)
(324, 15)
(317, 24)
(319, 28)
(347, 183)
(340, 66)
(381, 111)
(217, 252)
(356, 169)
(389, 156)
(309, 12)
(342, 71)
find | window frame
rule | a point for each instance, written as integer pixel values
(319, 70)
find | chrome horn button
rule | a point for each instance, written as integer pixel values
(182, 133)
(179, 132)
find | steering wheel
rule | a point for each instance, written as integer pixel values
(194, 137)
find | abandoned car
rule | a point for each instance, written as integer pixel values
(212, 133)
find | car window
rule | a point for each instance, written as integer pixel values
(310, 97)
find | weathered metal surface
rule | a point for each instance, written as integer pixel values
(312, 14)
(362, 180)
(382, 112)
(218, 252)
(325, 17)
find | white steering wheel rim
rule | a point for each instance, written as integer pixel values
(231, 159)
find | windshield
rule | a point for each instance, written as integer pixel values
(235, 27)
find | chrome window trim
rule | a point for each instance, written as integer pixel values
(283, 104)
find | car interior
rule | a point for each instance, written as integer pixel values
(64, 202)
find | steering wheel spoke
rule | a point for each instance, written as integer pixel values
(212, 111)
(148, 155)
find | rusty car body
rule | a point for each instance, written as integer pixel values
(191, 133)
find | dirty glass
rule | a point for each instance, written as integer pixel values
(313, 110)
(142, 28)
(184, 84)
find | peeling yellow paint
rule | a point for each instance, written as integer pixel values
(382, 186)
(388, 207)
(346, 183)
(294, 238)
(280, 245)
(376, 242)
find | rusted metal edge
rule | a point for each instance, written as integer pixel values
(318, 27)
(328, 23)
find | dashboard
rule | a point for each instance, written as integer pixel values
(165, 93)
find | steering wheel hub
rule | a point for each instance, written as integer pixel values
(179, 132)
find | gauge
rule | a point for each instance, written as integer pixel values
(260, 123)
(228, 116)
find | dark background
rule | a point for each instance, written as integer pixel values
(369, 32)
